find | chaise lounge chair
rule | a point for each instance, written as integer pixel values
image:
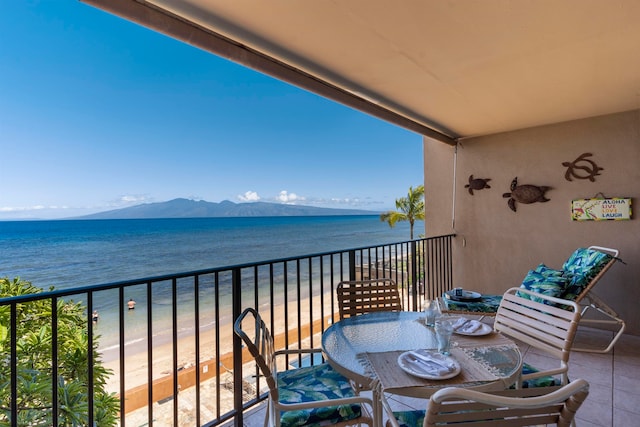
(574, 282)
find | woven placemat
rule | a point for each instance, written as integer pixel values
(391, 376)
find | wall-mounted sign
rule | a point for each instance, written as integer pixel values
(600, 209)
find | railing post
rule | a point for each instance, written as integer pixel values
(54, 362)
(352, 265)
(414, 275)
(236, 284)
(14, 365)
(90, 390)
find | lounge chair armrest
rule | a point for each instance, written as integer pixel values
(610, 251)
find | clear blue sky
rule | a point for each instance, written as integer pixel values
(97, 113)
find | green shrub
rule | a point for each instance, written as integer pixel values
(34, 363)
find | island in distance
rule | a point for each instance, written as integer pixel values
(185, 208)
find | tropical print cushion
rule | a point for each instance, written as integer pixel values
(314, 383)
(546, 281)
(548, 271)
(546, 381)
(582, 266)
(410, 418)
(487, 304)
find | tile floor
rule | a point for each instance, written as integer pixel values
(614, 377)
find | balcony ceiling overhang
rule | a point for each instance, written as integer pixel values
(448, 69)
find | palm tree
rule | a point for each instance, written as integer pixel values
(410, 208)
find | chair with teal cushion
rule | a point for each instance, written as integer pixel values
(314, 395)
(540, 324)
(546, 281)
(460, 407)
(582, 267)
(585, 267)
(574, 282)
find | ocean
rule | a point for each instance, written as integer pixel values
(73, 253)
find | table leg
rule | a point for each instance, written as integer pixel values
(376, 397)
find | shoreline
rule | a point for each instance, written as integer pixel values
(136, 358)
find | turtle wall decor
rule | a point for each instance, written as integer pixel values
(525, 194)
(477, 184)
(582, 168)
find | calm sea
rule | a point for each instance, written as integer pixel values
(73, 253)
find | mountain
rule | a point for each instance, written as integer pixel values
(184, 208)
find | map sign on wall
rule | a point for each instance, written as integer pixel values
(601, 209)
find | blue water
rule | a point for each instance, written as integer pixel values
(73, 253)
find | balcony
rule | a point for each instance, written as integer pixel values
(205, 379)
(613, 398)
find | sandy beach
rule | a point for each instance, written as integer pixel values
(136, 362)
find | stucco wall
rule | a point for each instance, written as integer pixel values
(495, 247)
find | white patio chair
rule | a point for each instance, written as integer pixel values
(549, 324)
(523, 407)
(310, 395)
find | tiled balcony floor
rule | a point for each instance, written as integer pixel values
(614, 398)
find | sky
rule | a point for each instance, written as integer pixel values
(98, 113)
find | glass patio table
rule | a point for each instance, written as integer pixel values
(365, 349)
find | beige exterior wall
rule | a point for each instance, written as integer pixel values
(495, 247)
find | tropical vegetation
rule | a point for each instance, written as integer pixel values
(410, 208)
(34, 347)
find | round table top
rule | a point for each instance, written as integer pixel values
(346, 341)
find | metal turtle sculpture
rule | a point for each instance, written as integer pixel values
(582, 168)
(525, 194)
(477, 184)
